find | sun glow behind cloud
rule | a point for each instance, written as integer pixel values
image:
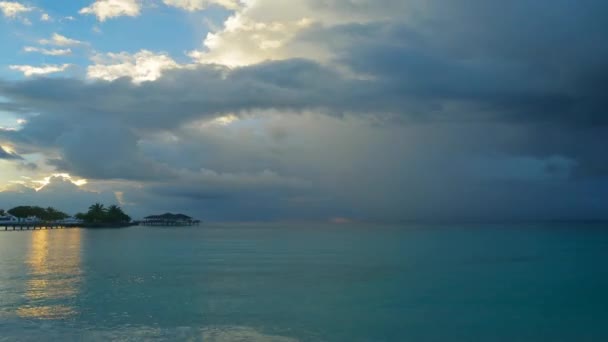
(40, 184)
(225, 120)
(8, 148)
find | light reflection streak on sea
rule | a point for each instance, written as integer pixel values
(54, 275)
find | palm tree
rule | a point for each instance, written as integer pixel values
(115, 214)
(53, 214)
(96, 213)
(97, 208)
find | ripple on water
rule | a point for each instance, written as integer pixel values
(49, 331)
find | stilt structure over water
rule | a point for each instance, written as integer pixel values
(169, 219)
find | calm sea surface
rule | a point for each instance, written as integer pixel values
(306, 283)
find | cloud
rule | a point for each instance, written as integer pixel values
(13, 9)
(29, 70)
(108, 9)
(247, 39)
(399, 110)
(207, 183)
(140, 67)
(27, 166)
(60, 193)
(8, 155)
(59, 40)
(113, 154)
(197, 5)
(193, 93)
(264, 29)
(351, 168)
(45, 17)
(245, 42)
(48, 52)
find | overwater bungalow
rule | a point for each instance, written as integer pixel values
(169, 219)
(70, 220)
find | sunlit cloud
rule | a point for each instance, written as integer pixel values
(41, 183)
(120, 196)
(60, 40)
(13, 9)
(30, 70)
(140, 67)
(226, 119)
(107, 9)
(197, 5)
(48, 52)
(8, 148)
(247, 38)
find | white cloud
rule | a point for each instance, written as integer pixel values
(258, 31)
(197, 5)
(46, 69)
(244, 41)
(60, 40)
(48, 52)
(140, 67)
(45, 17)
(107, 9)
(12, 9)
(265, 29)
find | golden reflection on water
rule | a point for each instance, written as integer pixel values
(54, 272)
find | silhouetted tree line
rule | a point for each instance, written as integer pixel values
(46, 214)
(99, 214)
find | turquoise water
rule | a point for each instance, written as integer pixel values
(307, 283)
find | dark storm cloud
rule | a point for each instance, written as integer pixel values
(431, 67)
(188, 94)
(103, 150)
(517, 61)
(11, 108)
(541, 66)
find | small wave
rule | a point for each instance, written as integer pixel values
(139, 333)
(241, 334)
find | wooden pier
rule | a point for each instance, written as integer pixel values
(12, 226)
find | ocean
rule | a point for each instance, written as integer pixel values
(307, 282)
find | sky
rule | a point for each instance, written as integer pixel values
(308, 110)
